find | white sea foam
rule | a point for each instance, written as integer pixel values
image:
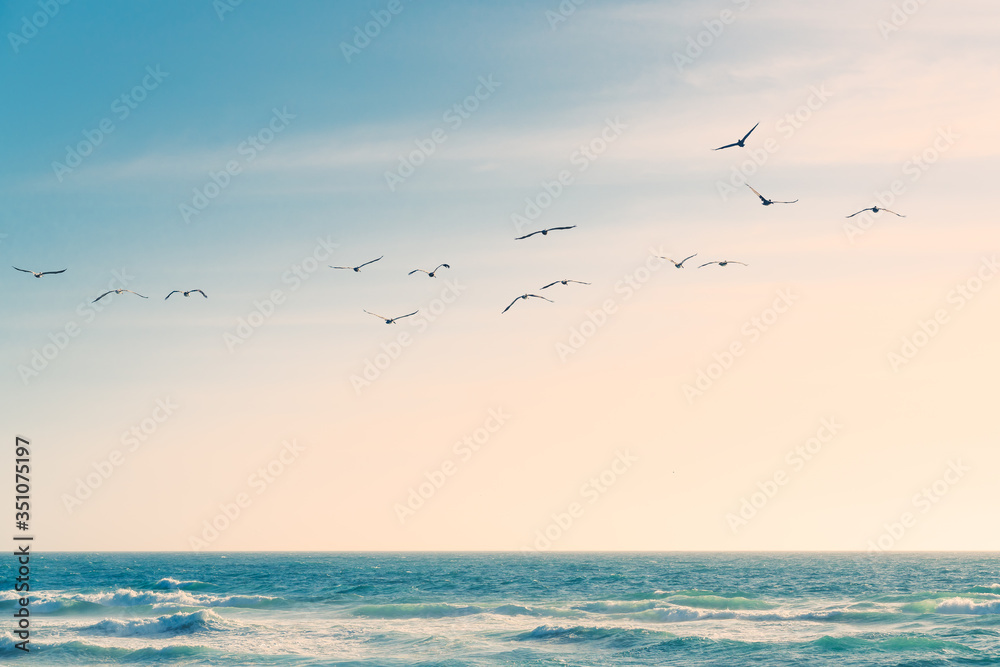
(126, 597)
(960, 605)
(615, 607)
(174, 624)
(415, 610)
(680, 615)
(169, 583)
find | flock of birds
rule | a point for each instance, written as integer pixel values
(39, 274)
(767, 202)
(740, 143)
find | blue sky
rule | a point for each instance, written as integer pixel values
(846, 109)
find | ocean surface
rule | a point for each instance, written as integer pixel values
(509, 609)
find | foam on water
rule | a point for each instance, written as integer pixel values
(962, 605)
(415, 610)
(81, 603)
(174, 624)
(510, 609)
(170, 583)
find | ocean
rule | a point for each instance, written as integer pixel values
(508, 609)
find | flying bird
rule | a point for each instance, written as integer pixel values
(680, 264)
(390, 320)
(563, 282)
(543, 232)
(38, 274)
(187, 293)
(875, 209)
(767, 202)
(741, 142)
(429, 273)
(117, 291)
(525, 296)
(355, 268)
(723, 263)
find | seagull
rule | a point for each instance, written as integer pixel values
(543, 232)
(741, 142)
(117, 291)
(390, 320)
(429, 273)
(563, 282)
(680, 264)
(355, 268)
(723, 263)
(187, 293)
(767, 202)
(873, 209)
(525, 296)
(38, 274)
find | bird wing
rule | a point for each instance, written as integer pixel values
(340, 267)
(381, 317)
(43, 273)
(25, 270)
(200, 292)
(440, 265)
(541, 297)
(756, 193)
(168, 296)
(727, 146)
(748, 133)
(137, 294)
(578, 282)
(707, 263)
(894, 213)
(415, 271)
(785, 202)
(687, 258)
(552, 229)
(402, 316)
(732, 262)
(511, 304)
(527, 235)
(102, 296)
(548, 286)
(367, 263)
(859, 212)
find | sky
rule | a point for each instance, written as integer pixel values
(836, 392)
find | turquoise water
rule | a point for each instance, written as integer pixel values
(510, 609)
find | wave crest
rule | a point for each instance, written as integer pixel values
(169, 583)
(415, 610)
(174, 624)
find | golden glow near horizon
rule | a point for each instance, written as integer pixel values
(832, 392)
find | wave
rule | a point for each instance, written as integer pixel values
(415, 610)
(89, 603)
(991, 592)
(680, 615)
(127, 597)
(515, 610)
(174, 624)
(78, 652)
(887, 643)
(687, 592)
(616, 637)
(169, 583)
(719, 602)
(961, 605)
(615, 607)
(846, 616)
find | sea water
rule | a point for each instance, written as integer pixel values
(508, 609)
